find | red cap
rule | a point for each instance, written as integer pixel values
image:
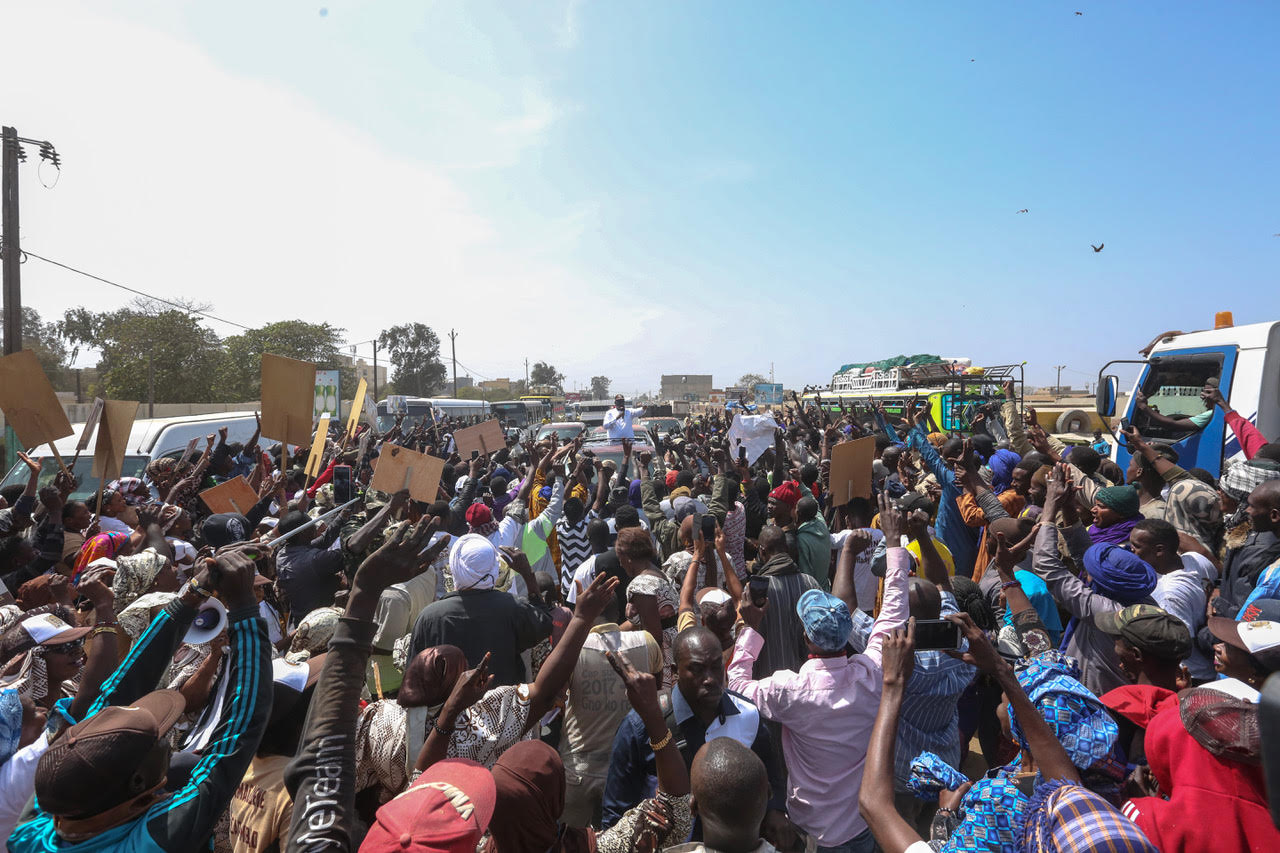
(446, 810)
(479, 513)
(787, 493)
(671, 478)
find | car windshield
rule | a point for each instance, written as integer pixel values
(566, 432)
(87, 484)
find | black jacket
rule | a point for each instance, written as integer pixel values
(484, 620)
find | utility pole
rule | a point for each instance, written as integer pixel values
(11, 155)
(453, 351)
(526, 376)
(375, 370)
(151, 382)
(1057, 389)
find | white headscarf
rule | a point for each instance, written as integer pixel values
(473, 562)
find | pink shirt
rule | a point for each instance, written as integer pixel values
(826, 711)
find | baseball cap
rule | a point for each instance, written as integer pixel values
(1225, 725)
(46, 629)
(1150, 629)
(826, 619)
(446, 810)
(80, 775)
(1257, 632)
(225, 528)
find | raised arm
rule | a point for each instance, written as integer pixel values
(894, 609)
(559, 665)
(843, 586)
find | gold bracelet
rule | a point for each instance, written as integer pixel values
(104, 629)
(660, 745)
(199, 590)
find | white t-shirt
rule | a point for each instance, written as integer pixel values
(581, 578)
(18, 783)
(865, 584)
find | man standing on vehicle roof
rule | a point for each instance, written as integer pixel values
(618, 420)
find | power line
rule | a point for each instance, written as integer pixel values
(134, 290)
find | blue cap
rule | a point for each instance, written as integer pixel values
(826, 620)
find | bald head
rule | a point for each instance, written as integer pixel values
(730, 794)
(924, 599)
(772, 540)
(806, 509)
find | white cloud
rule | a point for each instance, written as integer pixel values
(568, 32)
(186, 180)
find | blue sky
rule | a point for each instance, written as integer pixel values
(633, 189)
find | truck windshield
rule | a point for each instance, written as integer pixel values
(86, 483)
(1172, 385)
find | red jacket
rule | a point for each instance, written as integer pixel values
(1215, 804)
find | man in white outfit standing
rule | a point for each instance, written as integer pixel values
(618, 420)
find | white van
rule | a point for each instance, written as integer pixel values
(1246, 362)
(149, 439)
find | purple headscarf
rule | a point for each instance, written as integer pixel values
(633, 494)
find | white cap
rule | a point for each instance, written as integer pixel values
(47, 628)
(291, 675)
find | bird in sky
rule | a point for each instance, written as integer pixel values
(1098, 248)
(1024, 210)
(1079, 13)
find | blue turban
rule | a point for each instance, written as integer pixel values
(930, 774)
(826, 619)
(1118, 574)
(1002, 463)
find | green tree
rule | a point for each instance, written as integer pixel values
(750, 381)
(544, 374)
(145, 346)
(414, 350)
(599, 387)
(47, 343)
(241, 376)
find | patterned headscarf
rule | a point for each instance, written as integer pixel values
(1078, 718)
(1066, 818)
(993, 811)
(32, 680)
(134, 576)
(313, 634)
(135, 618)
(10, 723)
(103, 545)
(931, 774)
(134, 490)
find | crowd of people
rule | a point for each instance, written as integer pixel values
(1000, 643)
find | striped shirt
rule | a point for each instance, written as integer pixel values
(574, 548)
(930, 717)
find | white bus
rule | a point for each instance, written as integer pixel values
(416, 409)
(591, 412)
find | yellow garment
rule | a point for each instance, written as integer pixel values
(943, 551)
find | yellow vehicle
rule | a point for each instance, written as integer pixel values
(954, 390)
(554, 404)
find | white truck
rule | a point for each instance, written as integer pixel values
(1245, 361)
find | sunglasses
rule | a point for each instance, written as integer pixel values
(71, 648)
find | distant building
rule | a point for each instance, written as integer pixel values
(502, 383)
(686, 386)
(465, 382)
(364, 370)
(716, 396)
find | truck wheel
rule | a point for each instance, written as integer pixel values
(1073, 421)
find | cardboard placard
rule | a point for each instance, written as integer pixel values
(91, 423)
(851, 470)
(357, 406)
(317, 448)
(232, 496)
(399, 468)
(487, 437)
(113, 438)
(29, 404)
(288, 388)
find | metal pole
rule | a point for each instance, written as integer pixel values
(151, 382)
(453, 352)
(375, 370)
(12, 271)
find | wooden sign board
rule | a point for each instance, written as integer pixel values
(317, 447)
(232, 496)
(288, 398)
(357, 406)
(90, 424)
(28, 401)
(113, 438)
(371, 411)
(399, 468)
(486, 438)
(851, 470)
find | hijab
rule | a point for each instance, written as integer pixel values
(430, 676)
(530, 783)
(103, 545)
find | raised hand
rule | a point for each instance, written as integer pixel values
(468, 689)
(891, 521)
(898, 655)
(399, 558)
(642, 689)
(596, 597)
(980, 653)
